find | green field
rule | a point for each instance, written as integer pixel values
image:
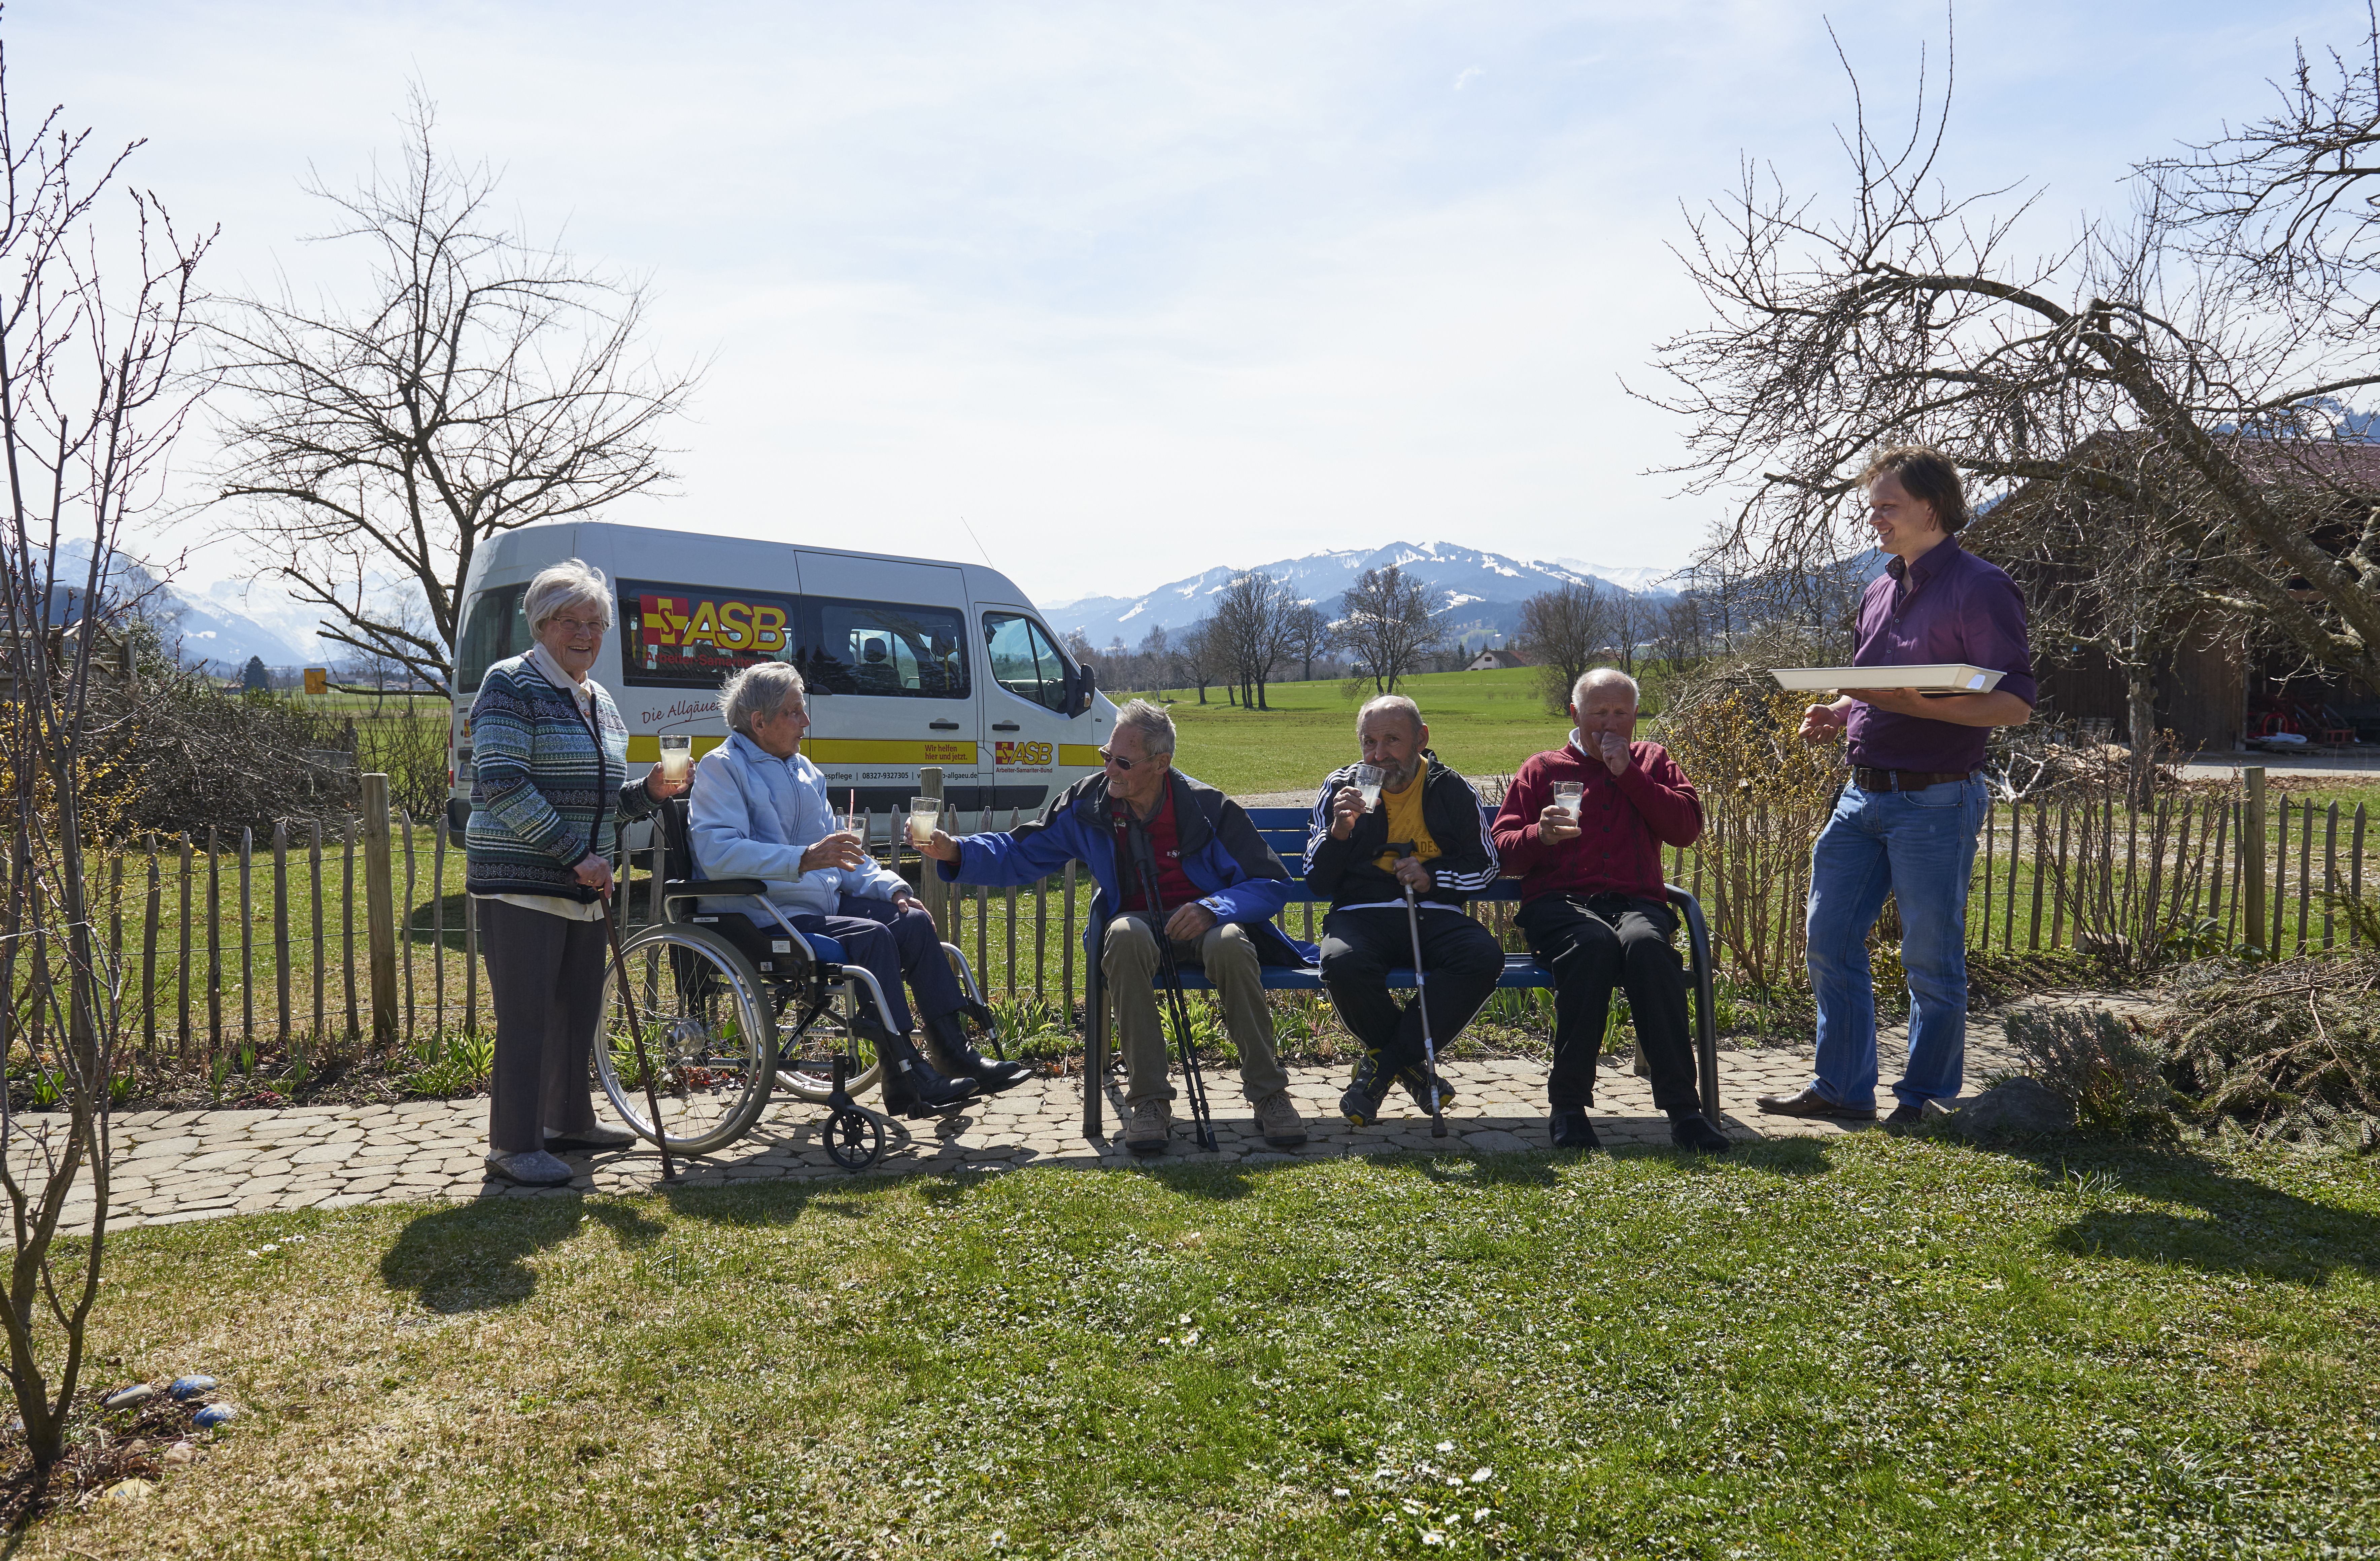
(1482, 723)
(1859, 1347)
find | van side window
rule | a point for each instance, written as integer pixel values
(492, 630)
(691, 636)
(1024, 661)
(889, 649)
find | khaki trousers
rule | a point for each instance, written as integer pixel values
(1130, 964)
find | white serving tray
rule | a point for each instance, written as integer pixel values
(1939, 677)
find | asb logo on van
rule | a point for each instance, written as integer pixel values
(1020, 752)
(672, 632)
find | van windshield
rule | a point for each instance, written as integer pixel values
(493, 629)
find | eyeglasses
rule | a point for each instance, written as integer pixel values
(576, 626)
(1108, 755)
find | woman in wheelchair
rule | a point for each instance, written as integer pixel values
(760, 810)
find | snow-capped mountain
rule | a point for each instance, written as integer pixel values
(207, 629)
(1484, 589)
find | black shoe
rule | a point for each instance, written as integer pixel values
(1416, 1080)
(1810, 1103)
(947, 1044)
(1366, 1091)
(1571, 1129)
(1903, 1118)
(1691, 1130)
(912, 1087)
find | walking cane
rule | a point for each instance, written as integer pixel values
(1421, 1001)
(636, 1031)
(1194, 1080)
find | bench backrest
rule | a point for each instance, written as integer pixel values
(1283, 829)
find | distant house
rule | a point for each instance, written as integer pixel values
(1491, 661)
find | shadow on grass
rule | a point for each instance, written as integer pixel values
(473, 1257)
(2244, 1227)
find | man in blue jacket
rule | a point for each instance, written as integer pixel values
(1218, 887)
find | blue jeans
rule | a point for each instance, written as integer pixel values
(1919, 847)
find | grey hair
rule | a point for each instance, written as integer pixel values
(1604, 674)
(1396, 702)
(565, 584)
(1156, 728)
(760, 689)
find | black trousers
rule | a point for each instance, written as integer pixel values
(1359, 948)
(545, 978)
(1589, 944)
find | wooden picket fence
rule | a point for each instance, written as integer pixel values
(360, 937)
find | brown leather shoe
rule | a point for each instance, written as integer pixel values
(1810, 1103)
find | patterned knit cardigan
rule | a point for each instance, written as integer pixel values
(541, 790)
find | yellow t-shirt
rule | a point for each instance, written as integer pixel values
(1406, 821)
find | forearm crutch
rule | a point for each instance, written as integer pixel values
(636, 1032)
(1421, 1001)
(1194, 1080)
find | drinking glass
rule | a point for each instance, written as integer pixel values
(677, 756)
(855, 823)
(1367, 785)
(1567, 794)
(925, 817)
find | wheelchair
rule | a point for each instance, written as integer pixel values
(731, 1008)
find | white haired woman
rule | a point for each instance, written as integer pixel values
(550, 781)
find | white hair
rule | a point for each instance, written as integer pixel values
(1395, 702)
(1156, 728)
(1603, 674)
(760, 689)
(565, 584)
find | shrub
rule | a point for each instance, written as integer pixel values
(2289, 1050)
(2113, 1072)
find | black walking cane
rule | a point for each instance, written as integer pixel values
(1421, 1000)
(1193, 1080)
(636, 1031)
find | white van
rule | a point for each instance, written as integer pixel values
(909, 662)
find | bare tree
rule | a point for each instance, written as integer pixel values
(1387, 620)
(88, 409)
(1309, 635)
(1197, 657)
(1563, 631)
(2184, 363)
(1253, 614)
(487, 384)
(1156, 656)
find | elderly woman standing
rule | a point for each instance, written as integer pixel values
(551, 757)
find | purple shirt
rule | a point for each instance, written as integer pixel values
(1949, 606)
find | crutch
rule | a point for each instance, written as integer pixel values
(1421, 1001)
(1194, 1079)
(636, 1031)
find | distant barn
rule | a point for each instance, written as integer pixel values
(1489, 661)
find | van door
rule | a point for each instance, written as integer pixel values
(892, 687)
(1028, 687)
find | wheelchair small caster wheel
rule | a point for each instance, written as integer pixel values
(854, 1139)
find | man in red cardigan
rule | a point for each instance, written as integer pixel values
(1592, 903)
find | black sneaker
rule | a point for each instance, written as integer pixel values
(1691, 1130)
(1571, 1129)
(1366, 1092)
(1416, 1080)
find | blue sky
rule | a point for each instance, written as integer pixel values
(1136, 289)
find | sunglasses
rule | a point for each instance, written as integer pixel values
(1108, 755)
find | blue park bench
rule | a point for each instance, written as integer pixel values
(1284, 828)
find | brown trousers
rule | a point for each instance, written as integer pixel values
(1130, 962)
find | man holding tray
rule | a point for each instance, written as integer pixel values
(1907, 823)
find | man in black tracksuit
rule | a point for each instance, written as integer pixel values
(1425, 833)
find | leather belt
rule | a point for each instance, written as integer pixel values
(1868, 779)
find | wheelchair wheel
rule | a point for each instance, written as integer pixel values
(805, 1061)
(854, 1139)
(705, 1028)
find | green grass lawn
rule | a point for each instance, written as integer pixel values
(1481, 723)
(1861, 1347)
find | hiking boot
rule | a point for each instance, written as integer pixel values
(1905, 1117)
(1691, 1130)
(1570, 1129)
(1416, 1082)
(1278, 1120)
(1366, 1091)
(954, 1052)
(1810, 1103)
(1151, 1127)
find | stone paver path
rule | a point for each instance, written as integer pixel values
(196, 1165)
